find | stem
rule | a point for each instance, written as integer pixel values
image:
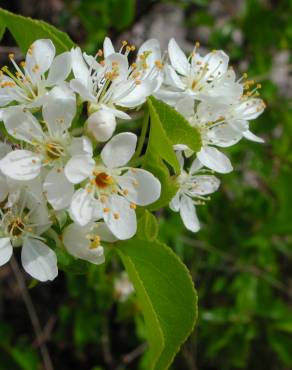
(32, 315)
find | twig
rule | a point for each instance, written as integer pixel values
(130, 357)
(106, 344)
(32, 315)
(242, 267)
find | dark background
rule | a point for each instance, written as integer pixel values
(240, 260)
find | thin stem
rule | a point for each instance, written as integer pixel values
(130, 357)
(48, 365)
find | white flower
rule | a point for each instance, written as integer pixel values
(4, 187)
(112, 190)
(101, 125)
(111, 83)
(123, 288)
(193, 188)
(31, 81)
(239, 114)
(21, 225)
(221, 126)
(84, 242)
(202, 78)
(214, 131)
(48, 148)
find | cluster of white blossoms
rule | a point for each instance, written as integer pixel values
(50, 166)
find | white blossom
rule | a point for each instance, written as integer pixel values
(84, 242)
(48, 146)
(193, 188)
(40, 71)
(201, 78)
(112, 190)
(108, 83)
(123, 288)
(21, 226)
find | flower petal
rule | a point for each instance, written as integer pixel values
(195, 166)
(224, 136)
(77, 243)
(39, 260)
(121, 218)
(174, 204)
(60, 69)
(84, 208)
(185, 107)
(138, 95)
(215, 160)
(108, 47)
(217, 62)
(104, 232)
(81, 146)
(119, 150)
(204, 184)
(39, 215)
(252, 137)
(80, 88)
(22, 125)
(172, 78)
(39, 57)
(4, 149)
(178, 59)
(79, 168)
(59, 110)
(21, 165)
(58, 189)
(189, 215)
(3, 188)
(140, 186)
(79, 67)
(152, 46)
(5, 250)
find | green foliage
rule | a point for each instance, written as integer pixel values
(166, 294)
(147, 226)
(102, 17)
(175, 126)
(159, 142)
(167, 128)
(26, 30)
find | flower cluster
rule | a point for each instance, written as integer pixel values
(51, 165)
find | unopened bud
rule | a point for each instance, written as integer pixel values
(101, 125)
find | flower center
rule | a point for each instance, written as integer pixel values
(54, 150)
(103, 180)
(16, 227)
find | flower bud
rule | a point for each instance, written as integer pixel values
(101, 125)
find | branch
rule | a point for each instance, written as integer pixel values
(32, 315)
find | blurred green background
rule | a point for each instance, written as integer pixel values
(240, 260)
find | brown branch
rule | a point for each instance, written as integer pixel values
(32, 315)
(130, 357)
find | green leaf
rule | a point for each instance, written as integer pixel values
(26, 30)
(122, 13)
(147, 226)
(166, 293)
(156, 166)
(159, 143)
(25, 357)
(2, 30)
(177, 128)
